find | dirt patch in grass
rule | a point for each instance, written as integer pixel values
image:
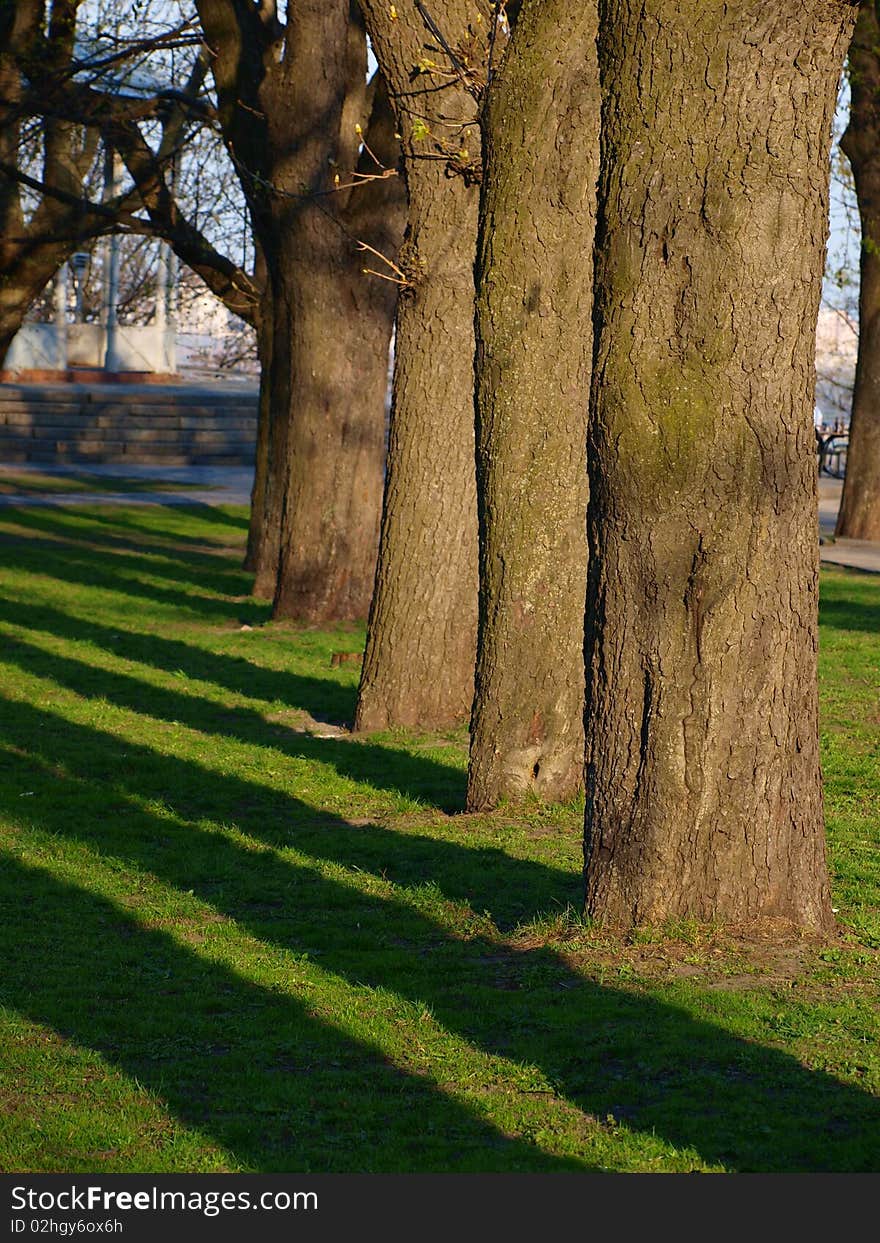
(723, 958)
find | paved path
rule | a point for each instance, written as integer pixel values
(857, 554)
(203, 485)
(231, 485)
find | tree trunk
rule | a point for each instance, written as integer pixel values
(11, 320)
(534, 347)
(328, 381)
(35, 244)
(23, 277)
(264, 529)
(703, 783)
(419, 661)
(332, 335)
(859, 516)
(13, 300)
(293, 103)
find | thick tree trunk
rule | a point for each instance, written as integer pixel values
(419, 661)
(293, 103)
(329, 372)
(859, 516)
(534, 347)
(263, 534)
(15, 28)
(34, 245)
(703, 782)
(354, 344)
(11, 320)
(23, 277)
(332, 335)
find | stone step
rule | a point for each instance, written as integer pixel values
(140, 424)
(56, 409)
(48, 409)
(21, 421)
(153, 398)
(133, 436)
(107, 455)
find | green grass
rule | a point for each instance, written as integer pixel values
(46, 483)
(234, 938)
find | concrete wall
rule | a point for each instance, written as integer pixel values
(43, 347)
(128, 423)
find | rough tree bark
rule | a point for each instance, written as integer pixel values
(257, 529)
(290, 98)
(703, 782)
(859, 516)
(419, 661)
(534, 348)
(338, 338)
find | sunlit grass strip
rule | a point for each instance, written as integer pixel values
(515, 1098)
(190, 766)
(68, 1109)
(96, 656)
(117, 598)
(209, 525)
(312, 782)
(46, 483)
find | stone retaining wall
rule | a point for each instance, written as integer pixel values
(136, 424)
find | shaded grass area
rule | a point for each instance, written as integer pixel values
(849, 670)
(235, 938)
(36, 482)
(50, 483)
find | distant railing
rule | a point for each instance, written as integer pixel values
(831, 448)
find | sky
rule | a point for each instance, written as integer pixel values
(844, 239)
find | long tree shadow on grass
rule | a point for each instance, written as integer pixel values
(844, 611)
(126, 575)
(117, 769)
(52, 484)
(277, 1088)
(117, 533)
(630, 1057)
(383, 767)
(325, 699)
(234, 517)
(187, 567)
(93, 522)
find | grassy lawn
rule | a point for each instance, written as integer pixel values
(47, 483)
(236, 939)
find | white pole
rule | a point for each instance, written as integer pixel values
(111, 354)
(162, 288)
(169, 303)
(172, 272)
(60, 299)
(106, 244)
(80, 291)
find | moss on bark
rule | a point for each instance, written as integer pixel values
(703, 782)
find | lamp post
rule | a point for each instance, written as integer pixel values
(79, 261)
(129, 82)
(112, 183)
(166, 299)
(61, 318)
